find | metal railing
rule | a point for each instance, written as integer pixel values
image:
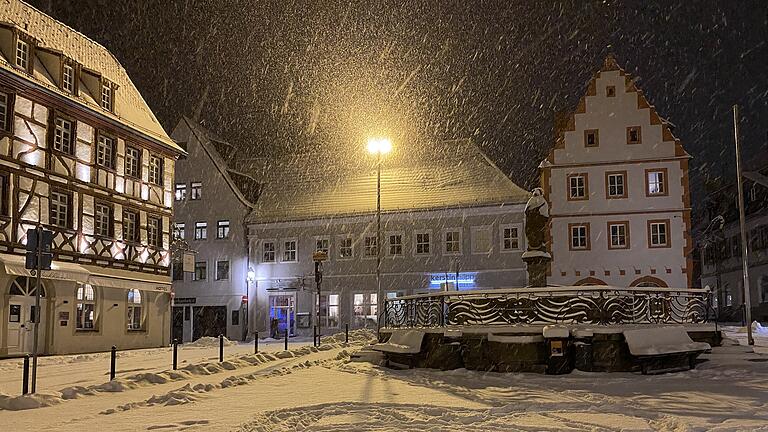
(549, 305)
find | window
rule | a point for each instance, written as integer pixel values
(68, 79)
(579, 234)
(591, 138)
(178, 271)
(323, 244)
(364, 307)
(181, 191)
(510, 238)
(132, 162)
(85, 306)
(154, 231)
(333, 311)
(423, 243)
(134, 309)
(62, 136)
(577, 187)
(615, 183)
(268, 251)
(105, 150)
(658, 233)
(201, 271)
(222, 270)
(634, 135)
(59, 211)
(764, 289)
(103, 220)
(5, 112)
(610, 91)
(155, 170)
(371, 249)
(656, 182)
(179, 230)
(289, 250)
(201, 230)
(196, 191)
(235, 317)
(346, 250)
(130, 224)
(222, 229)
(106, 96)
(395, 243)
(482, 242)
(22, 54)
(452, 237)
(618, 235)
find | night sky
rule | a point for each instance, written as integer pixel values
(292, 76)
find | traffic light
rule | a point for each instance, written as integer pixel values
(33, 242)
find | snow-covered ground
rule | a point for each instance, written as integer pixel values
(310, 389)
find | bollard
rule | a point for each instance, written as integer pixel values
(346, 333)
(112, 362)
(175, 352)
(314, 335)
(25, 375)
(256, 343)
(286, 339)
(221, 348)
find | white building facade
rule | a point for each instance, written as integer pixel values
(82, 155)
(617, 185)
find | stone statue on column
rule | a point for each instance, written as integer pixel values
(536, 256)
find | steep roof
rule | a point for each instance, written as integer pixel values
(243, 185)
(445, 174)
(567, 122)
(50, 34)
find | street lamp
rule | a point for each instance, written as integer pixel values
(378, 146)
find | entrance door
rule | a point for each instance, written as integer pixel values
(21, 316)
(282, 315)
(209, 321)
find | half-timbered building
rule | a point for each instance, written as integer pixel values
(82, 155)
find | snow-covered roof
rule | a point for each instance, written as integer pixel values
(448, 174)
(243, 185)
(52, 35)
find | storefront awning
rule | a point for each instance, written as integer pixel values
(14, 265)
(94, 275)
(126, 279)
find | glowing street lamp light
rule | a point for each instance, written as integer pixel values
(378, 146)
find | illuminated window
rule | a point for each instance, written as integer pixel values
(222, 229)
(181, 191)
(656, 182)
(85, 307)
(196, 191)
(201, 230)
(134, 310)
(179, 230)
(364, 307)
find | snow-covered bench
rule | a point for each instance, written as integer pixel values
(664, 349)
(405, 343)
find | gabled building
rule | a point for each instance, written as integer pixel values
(617, 185)
(451, 220)
(82, 155)
(212, 200)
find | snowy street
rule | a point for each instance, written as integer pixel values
(320, 390)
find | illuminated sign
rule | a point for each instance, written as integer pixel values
(462, 280)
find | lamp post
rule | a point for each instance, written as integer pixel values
(379, 146)
(249, 279)
(743, 229)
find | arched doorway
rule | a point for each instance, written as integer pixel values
(649, 282)
(21, 315)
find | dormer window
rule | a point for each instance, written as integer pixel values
(68, 79)
(22, 54)
(106, 96)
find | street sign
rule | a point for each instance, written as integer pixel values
(33, 242)
(188, 262)
(320, 256)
